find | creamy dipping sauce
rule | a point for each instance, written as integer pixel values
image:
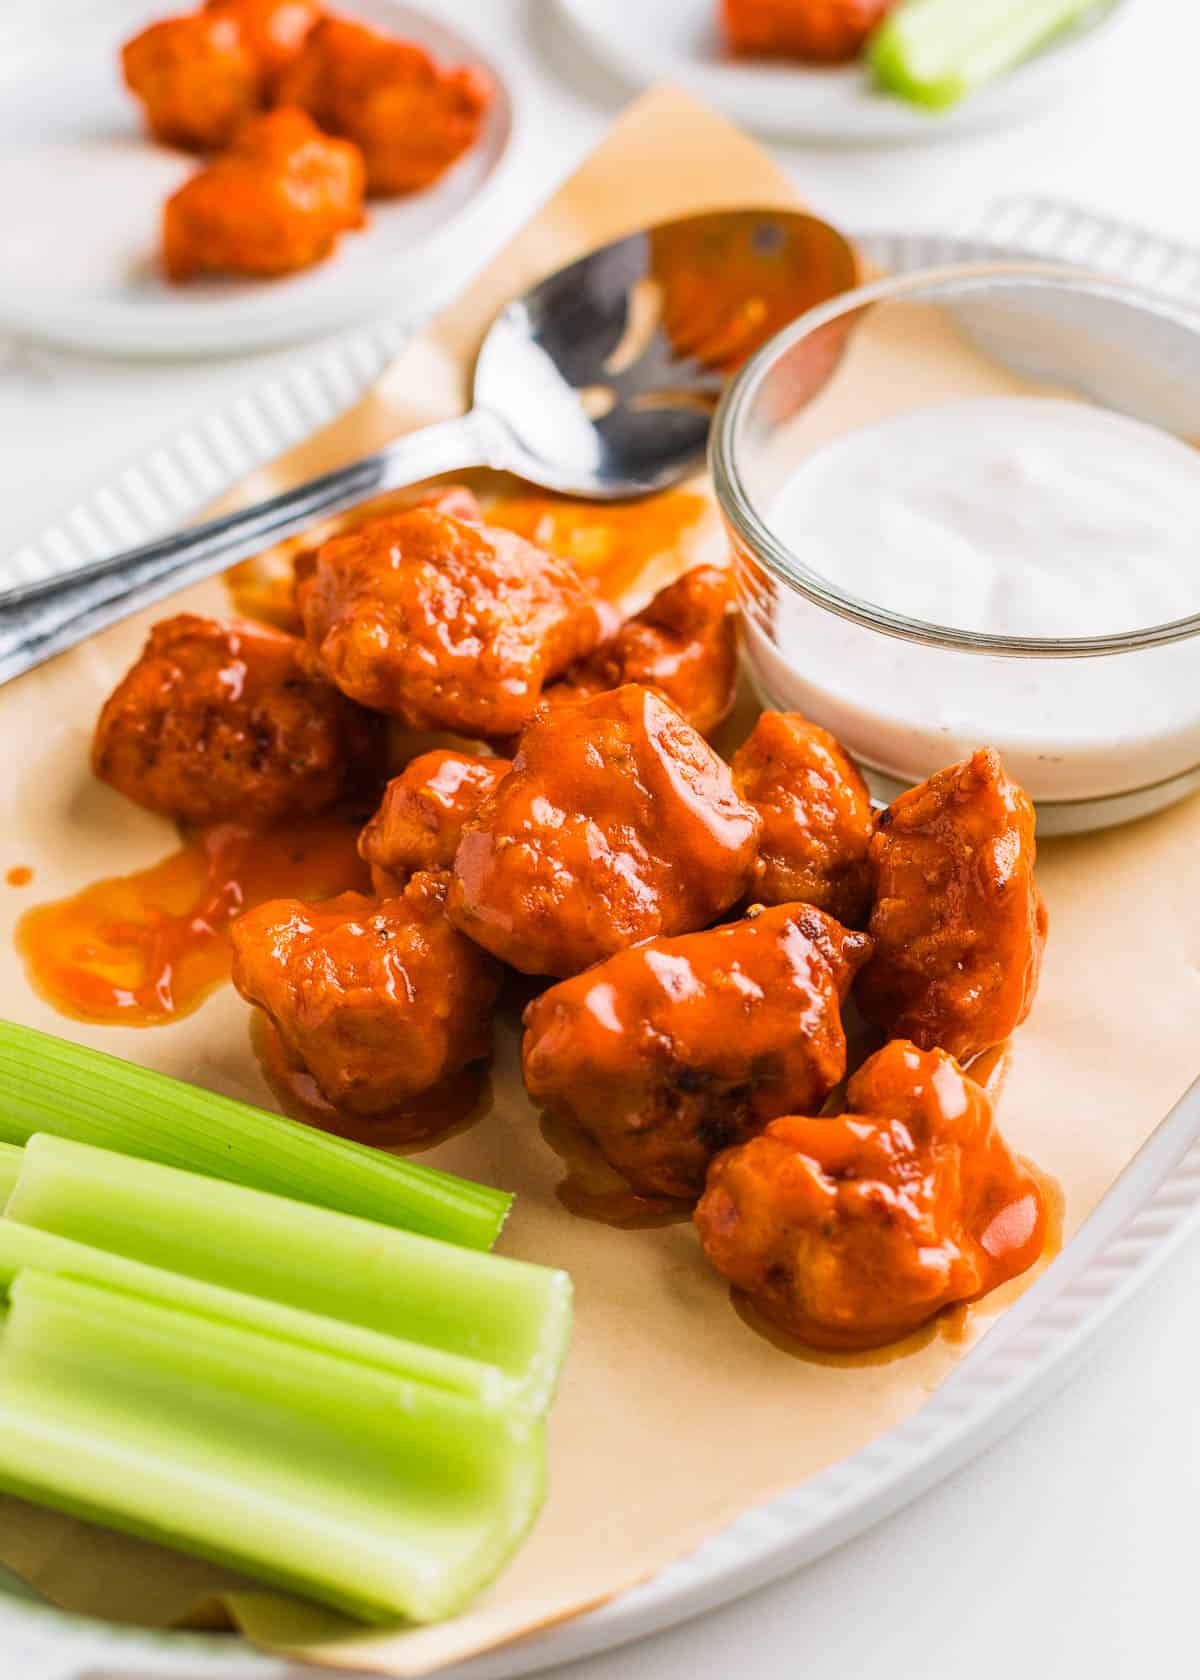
(1026, 516)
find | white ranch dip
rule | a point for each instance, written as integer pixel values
(1027, 516)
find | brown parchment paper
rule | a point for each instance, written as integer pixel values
(675, 1416)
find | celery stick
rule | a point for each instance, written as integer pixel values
(503, 1312)
(11, 1156)
(935, 52)
(50, 1085)
(384, 1498)
(24, 1247)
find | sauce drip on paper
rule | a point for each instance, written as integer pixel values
(143, 949)
(611, 545)
(591, 1189)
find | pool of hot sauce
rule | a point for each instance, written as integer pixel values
(142, 949)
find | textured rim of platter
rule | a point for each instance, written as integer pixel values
(835, 105)
(410, 257)
(1031, 1351)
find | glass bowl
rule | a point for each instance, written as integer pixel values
(1098, 728)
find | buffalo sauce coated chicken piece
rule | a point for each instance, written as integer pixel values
(220, 722)
(455, 499)
(852, 1231)
(276, 202)
(616, 822)
(678, 1048)
(959, 925)
(380, 1002)
(816, 815)
(819, 31)
(200, 76)
(411, 116)
(196, 78)
(273, 31)
(444, 623)
(683, 645)
(420, 822)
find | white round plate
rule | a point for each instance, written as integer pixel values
(679, 41)
(82, 188)
(1151, 1209)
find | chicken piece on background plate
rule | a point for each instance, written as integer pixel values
(222, 722)
(676, 1049)
(617, 822)
(420, 821)
(411, 116)
(683, 645)
(275, 202)
(443, 623)
(380, 1002)
(274, 31)
(852, 1231)
(818, 31)
(958, 923)
(816, 814)
(196, 78)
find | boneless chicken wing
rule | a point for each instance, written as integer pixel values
(678, 1048)
(411, 116)
(420, 821)
(276, 202)
(852, 1231)
(958, 923)
(443, 623)
(222, 722)
(816, 815)
(196, 78)
(274, 31)
(616, 822)
(381, 1002)
(820, 31)
(683, 645)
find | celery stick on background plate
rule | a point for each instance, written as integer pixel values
(936, 52)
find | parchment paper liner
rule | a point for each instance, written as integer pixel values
(675, 1417)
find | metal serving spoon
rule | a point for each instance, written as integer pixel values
(599, 382)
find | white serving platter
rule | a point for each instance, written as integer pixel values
(1153, 1207)
(679, 41)
(83, 188)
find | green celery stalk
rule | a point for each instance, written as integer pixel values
(506, 1313)
(50, 1085)
(383, 1498)
(935, 52)
(24, 1248)
(11, 1157)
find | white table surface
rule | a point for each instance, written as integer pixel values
(1068, 1551)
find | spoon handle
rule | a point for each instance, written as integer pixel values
(40, 619)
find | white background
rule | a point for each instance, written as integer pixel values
(1070, 1551)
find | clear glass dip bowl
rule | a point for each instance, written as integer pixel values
(1099, 729)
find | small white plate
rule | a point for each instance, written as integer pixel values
(679, 41)
(83, 187)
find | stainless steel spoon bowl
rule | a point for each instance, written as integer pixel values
(599, 382)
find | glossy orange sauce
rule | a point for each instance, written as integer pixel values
(19, 875)
(147, 948)
(449, 1107)
(612, 545)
